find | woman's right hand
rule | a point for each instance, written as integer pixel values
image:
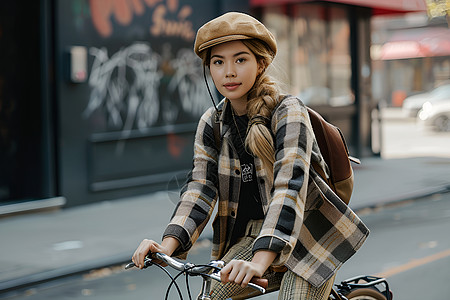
(168, 246)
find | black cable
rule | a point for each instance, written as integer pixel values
(187, 286)
(207, 86)
(172, 281)
(186, 271)
(175, 278)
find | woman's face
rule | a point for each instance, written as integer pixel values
(233, 69)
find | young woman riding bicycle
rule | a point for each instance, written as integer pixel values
(276, 218)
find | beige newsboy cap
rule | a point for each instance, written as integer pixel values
(230, 27)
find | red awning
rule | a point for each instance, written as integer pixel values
(379, 6)
(413, 43)
(389, 5)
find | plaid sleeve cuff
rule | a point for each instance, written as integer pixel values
(275, 244)
(179, 233)
(269, 243)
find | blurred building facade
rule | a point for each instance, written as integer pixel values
(410, 54)
(100, 99)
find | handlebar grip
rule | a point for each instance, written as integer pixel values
(251, 284)
(262, 282)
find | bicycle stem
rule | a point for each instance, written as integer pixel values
(206, 288)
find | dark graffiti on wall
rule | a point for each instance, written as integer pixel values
(147, 83)
(136, 103)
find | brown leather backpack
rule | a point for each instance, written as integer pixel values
(335, 153)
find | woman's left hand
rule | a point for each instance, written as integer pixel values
(241, 272)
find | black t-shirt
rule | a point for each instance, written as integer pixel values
(250, 207)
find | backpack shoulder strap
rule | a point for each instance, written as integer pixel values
(216, 128)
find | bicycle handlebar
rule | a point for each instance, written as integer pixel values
(256, 283)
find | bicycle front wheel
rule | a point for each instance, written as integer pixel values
(365, 294)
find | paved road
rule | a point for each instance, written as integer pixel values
(408, 244)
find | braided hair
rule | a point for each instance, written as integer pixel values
(262, 100)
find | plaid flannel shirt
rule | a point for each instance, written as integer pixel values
(310, 228)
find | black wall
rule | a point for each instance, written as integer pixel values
(20, 102)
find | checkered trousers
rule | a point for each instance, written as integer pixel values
(288, 283)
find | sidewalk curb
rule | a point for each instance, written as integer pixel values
(63, 272)
(85, 267)
(404, 198)
(426, 192)
(59, 273)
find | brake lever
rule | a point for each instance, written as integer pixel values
(147, 263)
(130, 265)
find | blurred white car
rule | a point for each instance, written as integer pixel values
(436, 115)
(412, 104)
(320, 95)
